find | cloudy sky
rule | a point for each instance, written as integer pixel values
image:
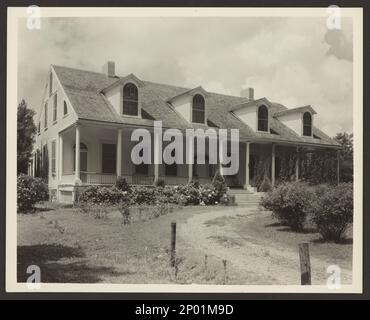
(293, 61)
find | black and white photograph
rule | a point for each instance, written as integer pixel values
(184, 150)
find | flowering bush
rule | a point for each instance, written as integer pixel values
(219, 185)
(30, 190)
(332, 211)
(121, 184)
(208, 195)
(143, 195)
(159, 183)
(187, 194)
(228, 200)
(190, 194)
(290, 203)
(103, 195)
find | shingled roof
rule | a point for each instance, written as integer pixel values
(84, 90)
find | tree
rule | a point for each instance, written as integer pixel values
(345, 156)
(26, 130)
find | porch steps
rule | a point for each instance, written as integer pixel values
(246, 198)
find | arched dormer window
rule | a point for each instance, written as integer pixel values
(307, 124)
(198, 109)
(130, 105)
(263, 119)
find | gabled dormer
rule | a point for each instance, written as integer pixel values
(191, 105)
(300, 120)
(124, 93)
(255, 113)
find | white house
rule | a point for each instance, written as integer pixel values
(87, 118)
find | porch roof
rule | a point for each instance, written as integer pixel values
(84, 91)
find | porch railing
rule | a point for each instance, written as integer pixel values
(98, 178)
(94, 178)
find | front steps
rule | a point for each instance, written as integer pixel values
(246, 198)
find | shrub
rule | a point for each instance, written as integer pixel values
(265, 185)
(194, 183)
(187, 195)
(121, 184)
(332, 211)
(219, 185)
(159, 183)
(290, 203)
(103, 195)
(143, 195)
(208, 195)
(30, 190)
(228, 200)
(124, 209)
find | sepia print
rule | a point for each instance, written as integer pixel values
(185, 150)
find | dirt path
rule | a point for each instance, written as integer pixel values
(276, 264)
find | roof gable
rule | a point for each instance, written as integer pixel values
(191, 92)
(295, 110)
(131, 77)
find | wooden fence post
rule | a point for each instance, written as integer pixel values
(173, 244)
(304, 257)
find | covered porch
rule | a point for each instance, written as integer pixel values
(101, 154)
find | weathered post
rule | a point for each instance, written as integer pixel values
(173, 244)
(304, 257)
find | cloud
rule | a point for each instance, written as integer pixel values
(288, 60)
(340, 45)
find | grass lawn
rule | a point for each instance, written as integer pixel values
(74, 247)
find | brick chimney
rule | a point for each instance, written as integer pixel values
(109, 69)
(247, 93)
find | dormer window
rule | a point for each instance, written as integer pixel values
(307, 124)
(198, 109)
(263, 119)
(130, 104)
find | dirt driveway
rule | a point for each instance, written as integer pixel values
(218, 233)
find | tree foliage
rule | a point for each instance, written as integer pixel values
(26, 130)
(345, 156)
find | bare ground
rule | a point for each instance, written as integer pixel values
(253, 242)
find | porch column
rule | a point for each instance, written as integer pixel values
(77, 156)
(297, 165)
(190, 158)
(157, 158)
(220, 156)
(338, 166)
(60, 156)
(247, 157)
(119, 152)
(34, 165)
(273, 165)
